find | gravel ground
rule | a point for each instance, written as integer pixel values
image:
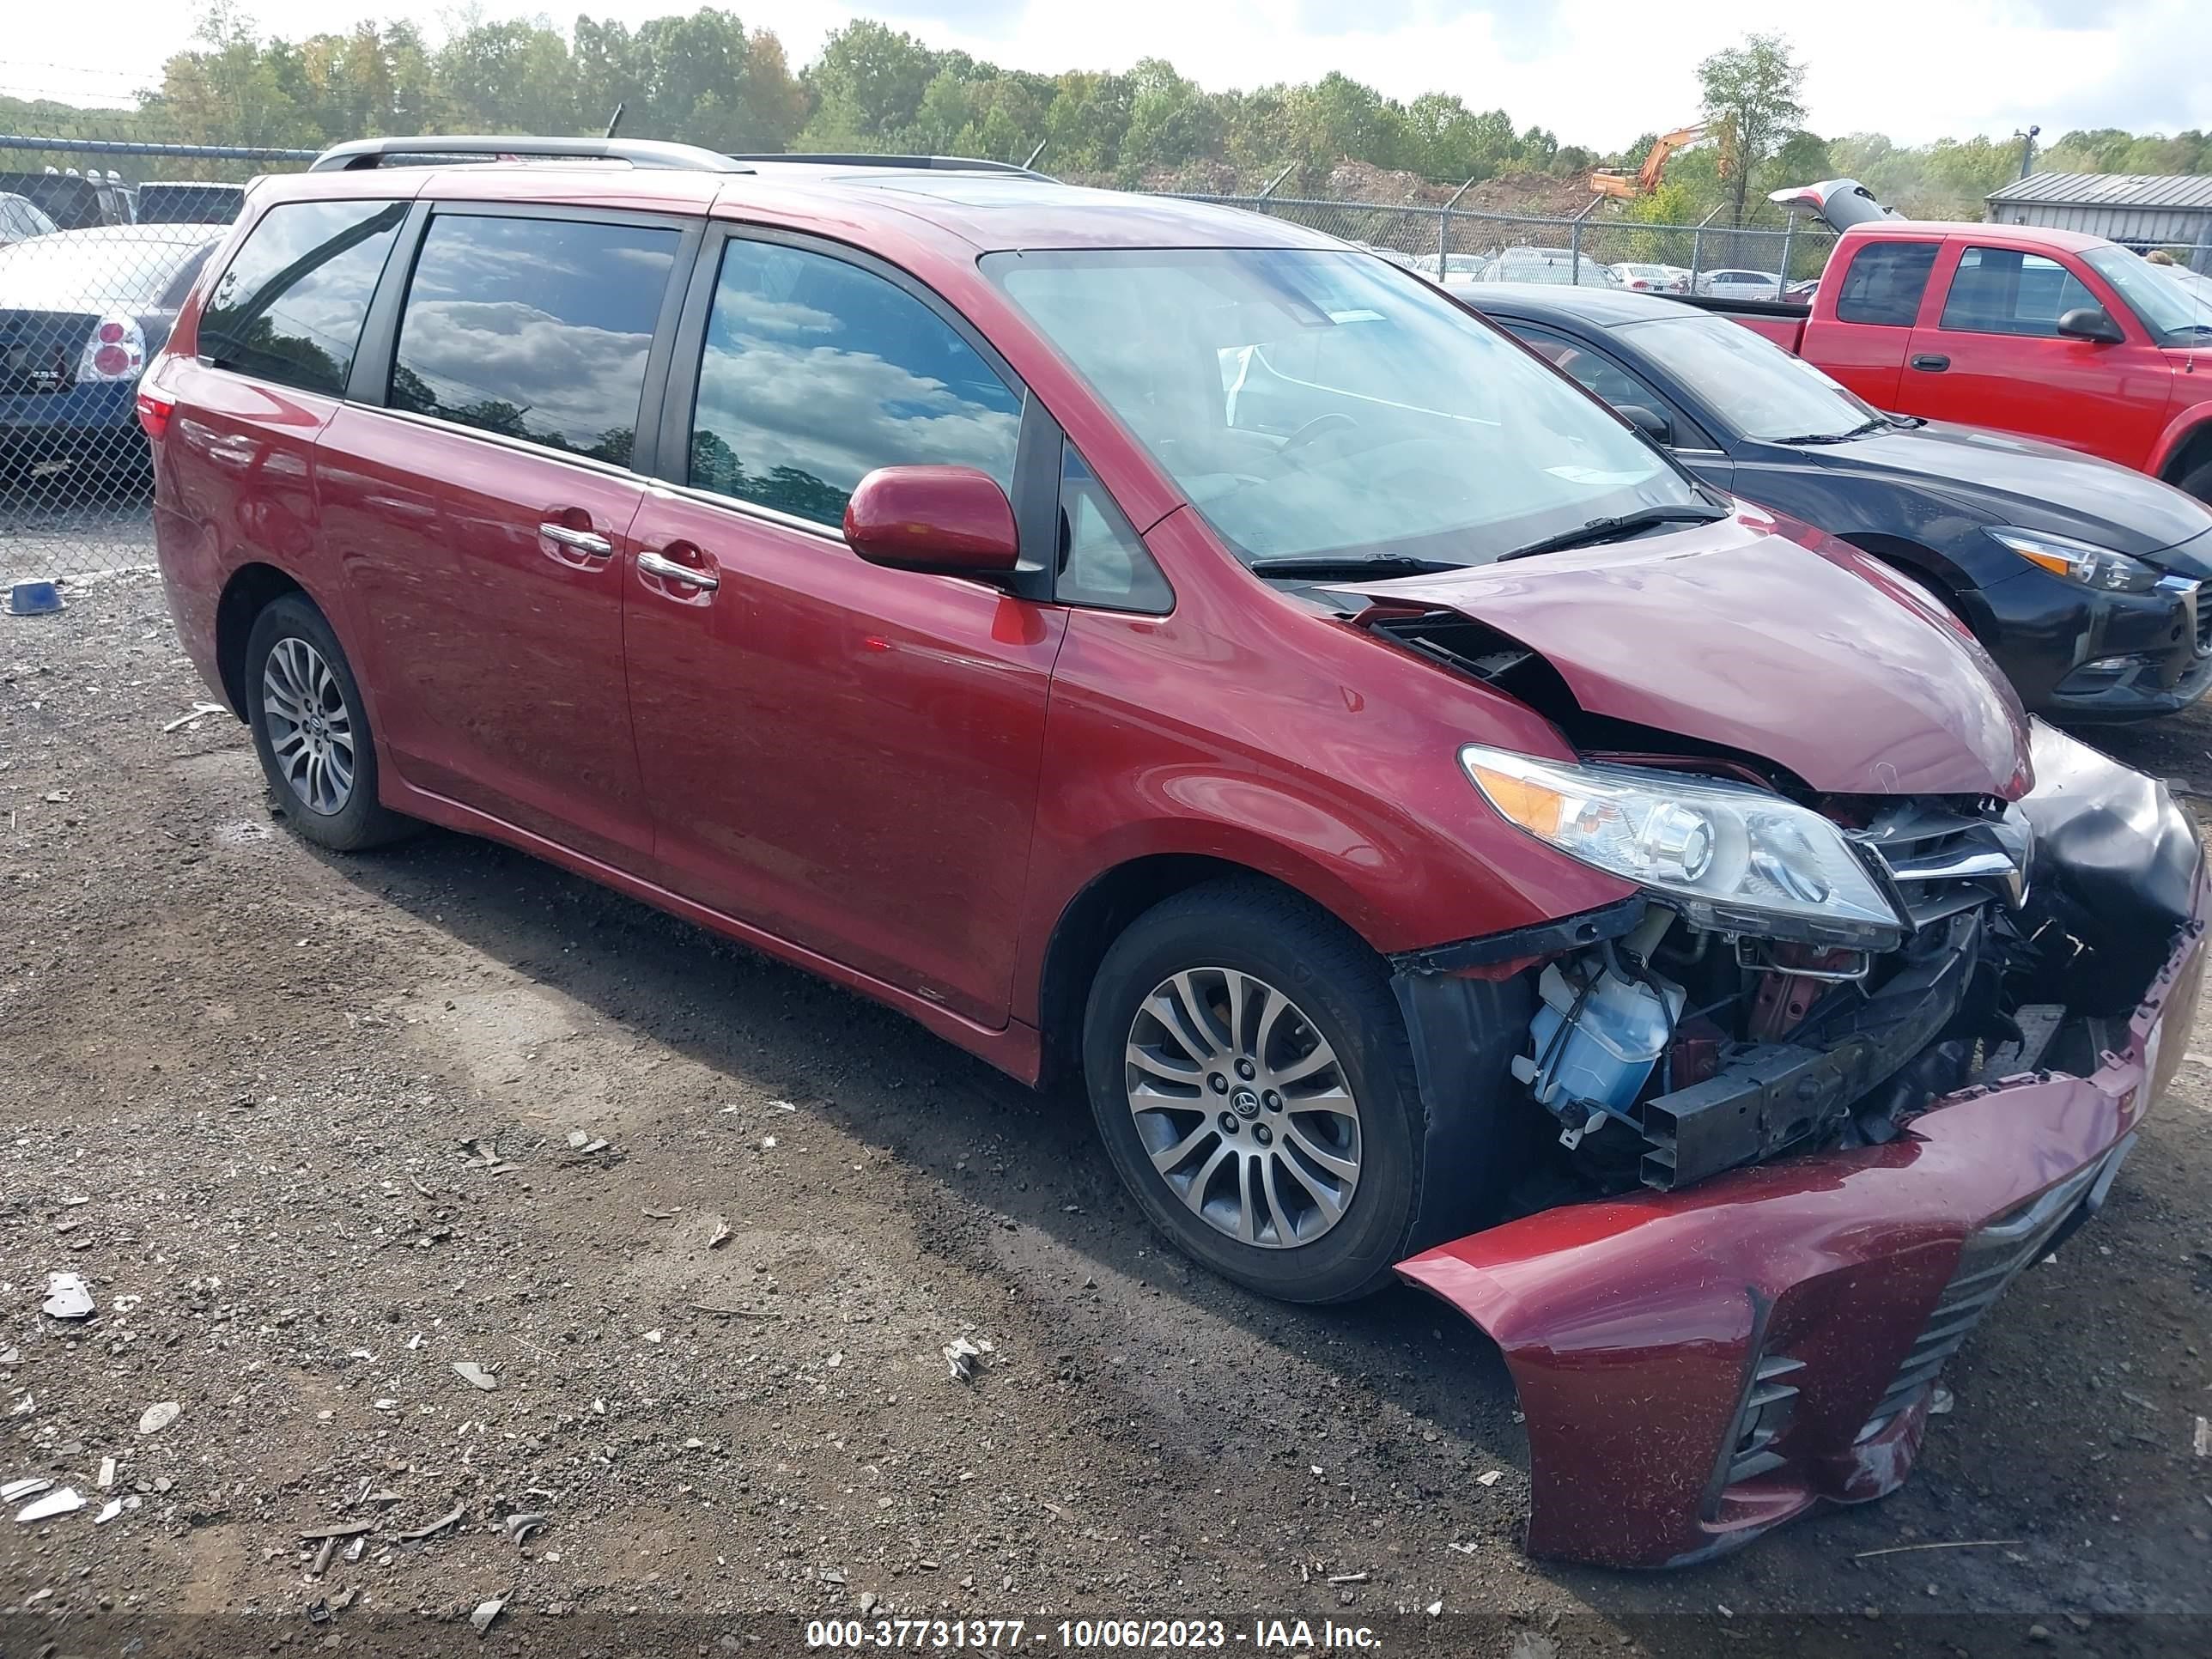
(308, 1126)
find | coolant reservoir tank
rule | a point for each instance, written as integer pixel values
(1604, 1056)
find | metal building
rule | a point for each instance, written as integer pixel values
(2144, 213)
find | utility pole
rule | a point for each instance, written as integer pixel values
(2027, 150)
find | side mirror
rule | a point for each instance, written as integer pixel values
(954, 520)
(1648, 421)
(2090, 322)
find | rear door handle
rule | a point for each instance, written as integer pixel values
(669, 571)
(577, 541)
(1934, 362)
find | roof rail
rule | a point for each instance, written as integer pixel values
(432, 147)
(913, 163)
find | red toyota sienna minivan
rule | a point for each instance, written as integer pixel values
(1167, 647)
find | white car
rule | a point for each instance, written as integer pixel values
(1650, 278)
(1546, 265)
(1741, 284)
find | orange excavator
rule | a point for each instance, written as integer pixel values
(1617, 181)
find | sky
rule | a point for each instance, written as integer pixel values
(1596, 72)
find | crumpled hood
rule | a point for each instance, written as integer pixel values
(1823, 662)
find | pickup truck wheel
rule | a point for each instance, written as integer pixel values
(2197, 481)
(1252, 1081)
(310, 730)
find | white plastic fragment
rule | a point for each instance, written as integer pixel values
(158, 1416)
(63, 1502)
(475, 1375)
(68, 1297)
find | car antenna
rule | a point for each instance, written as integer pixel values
(615, 120)
(1030, 160)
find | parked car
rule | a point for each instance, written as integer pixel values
(20, 219)
(2048, 333)
(73, 200)
(170, 202)
(1160, 647)
(2081, 578)
(1650, 278)
(1732, 284)
(1545, 264)
(80, 313)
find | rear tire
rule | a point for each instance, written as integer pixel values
(1307, 1191)
(310, 730)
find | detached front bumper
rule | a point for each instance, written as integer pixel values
(1698, 1367)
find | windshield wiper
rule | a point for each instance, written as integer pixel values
(1327, 564)
(1602, 530)
(1858, 431)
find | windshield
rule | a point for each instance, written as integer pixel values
(1312, 403)
(1750, 383)
(93, 273)
(2167, 306)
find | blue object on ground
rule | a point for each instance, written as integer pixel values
(33, 599)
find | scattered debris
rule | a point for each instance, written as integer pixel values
(660, 1215)
(485, 1613)
(1941, 1402)
(867, 1603)
(10, 1357)
(1948, 1544)
(836, 1359)
(336, 1529)
(68, 1297)
(322, 1563)
(2203, 1438)
(158, 1417)
(720, 1236)
(439, 1525)
(1436, 1609)
(29, 1486)
(475, 1375)
(960, 1358)
(106, 1473)
(520, 1527)
(1489, 1477)
(200, 711)
(1347, 1578)
(652, 1335)
(63, 1502)
(108, 1511)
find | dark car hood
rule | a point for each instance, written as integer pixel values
(1822, 662)
(2036, 486)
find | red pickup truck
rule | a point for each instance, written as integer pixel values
(2049, 333)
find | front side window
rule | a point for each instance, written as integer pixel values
(537, 329)
(1884, 283)
(816, 372)
(2173, 304)
(2001, 290)
(1310, 402)
(291, 305)
(1593, 371)
(1103, 560)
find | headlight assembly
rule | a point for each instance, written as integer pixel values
(1725, 855)
(2079, 562)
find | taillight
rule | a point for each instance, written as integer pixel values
(154, 415)
(116, 351)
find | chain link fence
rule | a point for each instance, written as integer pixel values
(101, 234)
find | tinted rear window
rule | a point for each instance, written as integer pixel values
(534, 328)
(1884, 283)
(290, 307)
(189, 204)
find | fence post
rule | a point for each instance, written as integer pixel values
(1444, 228)
(1575, 255)
(1698, 249)
(1789, 229)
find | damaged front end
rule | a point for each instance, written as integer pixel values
(1821, 1145)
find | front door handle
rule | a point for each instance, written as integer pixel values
(669, 571)
(1934, 363)
(577, 541)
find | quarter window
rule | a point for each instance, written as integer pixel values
(816, 372)
(1884, 283)
(1999, 291)
(1103, 560)
(290, 308)
(537, 329)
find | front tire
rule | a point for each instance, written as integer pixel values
(1251, 1078)
(310, 730)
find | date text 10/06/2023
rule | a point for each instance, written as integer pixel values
(1087, 1635)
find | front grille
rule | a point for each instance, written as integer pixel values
(38, 349)
(1767, 1409)
(1946, 855)
(1992, 1258)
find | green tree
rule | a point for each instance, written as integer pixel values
(1751, 93)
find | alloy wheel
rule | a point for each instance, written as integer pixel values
(311, 728)
(1242, 1107)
